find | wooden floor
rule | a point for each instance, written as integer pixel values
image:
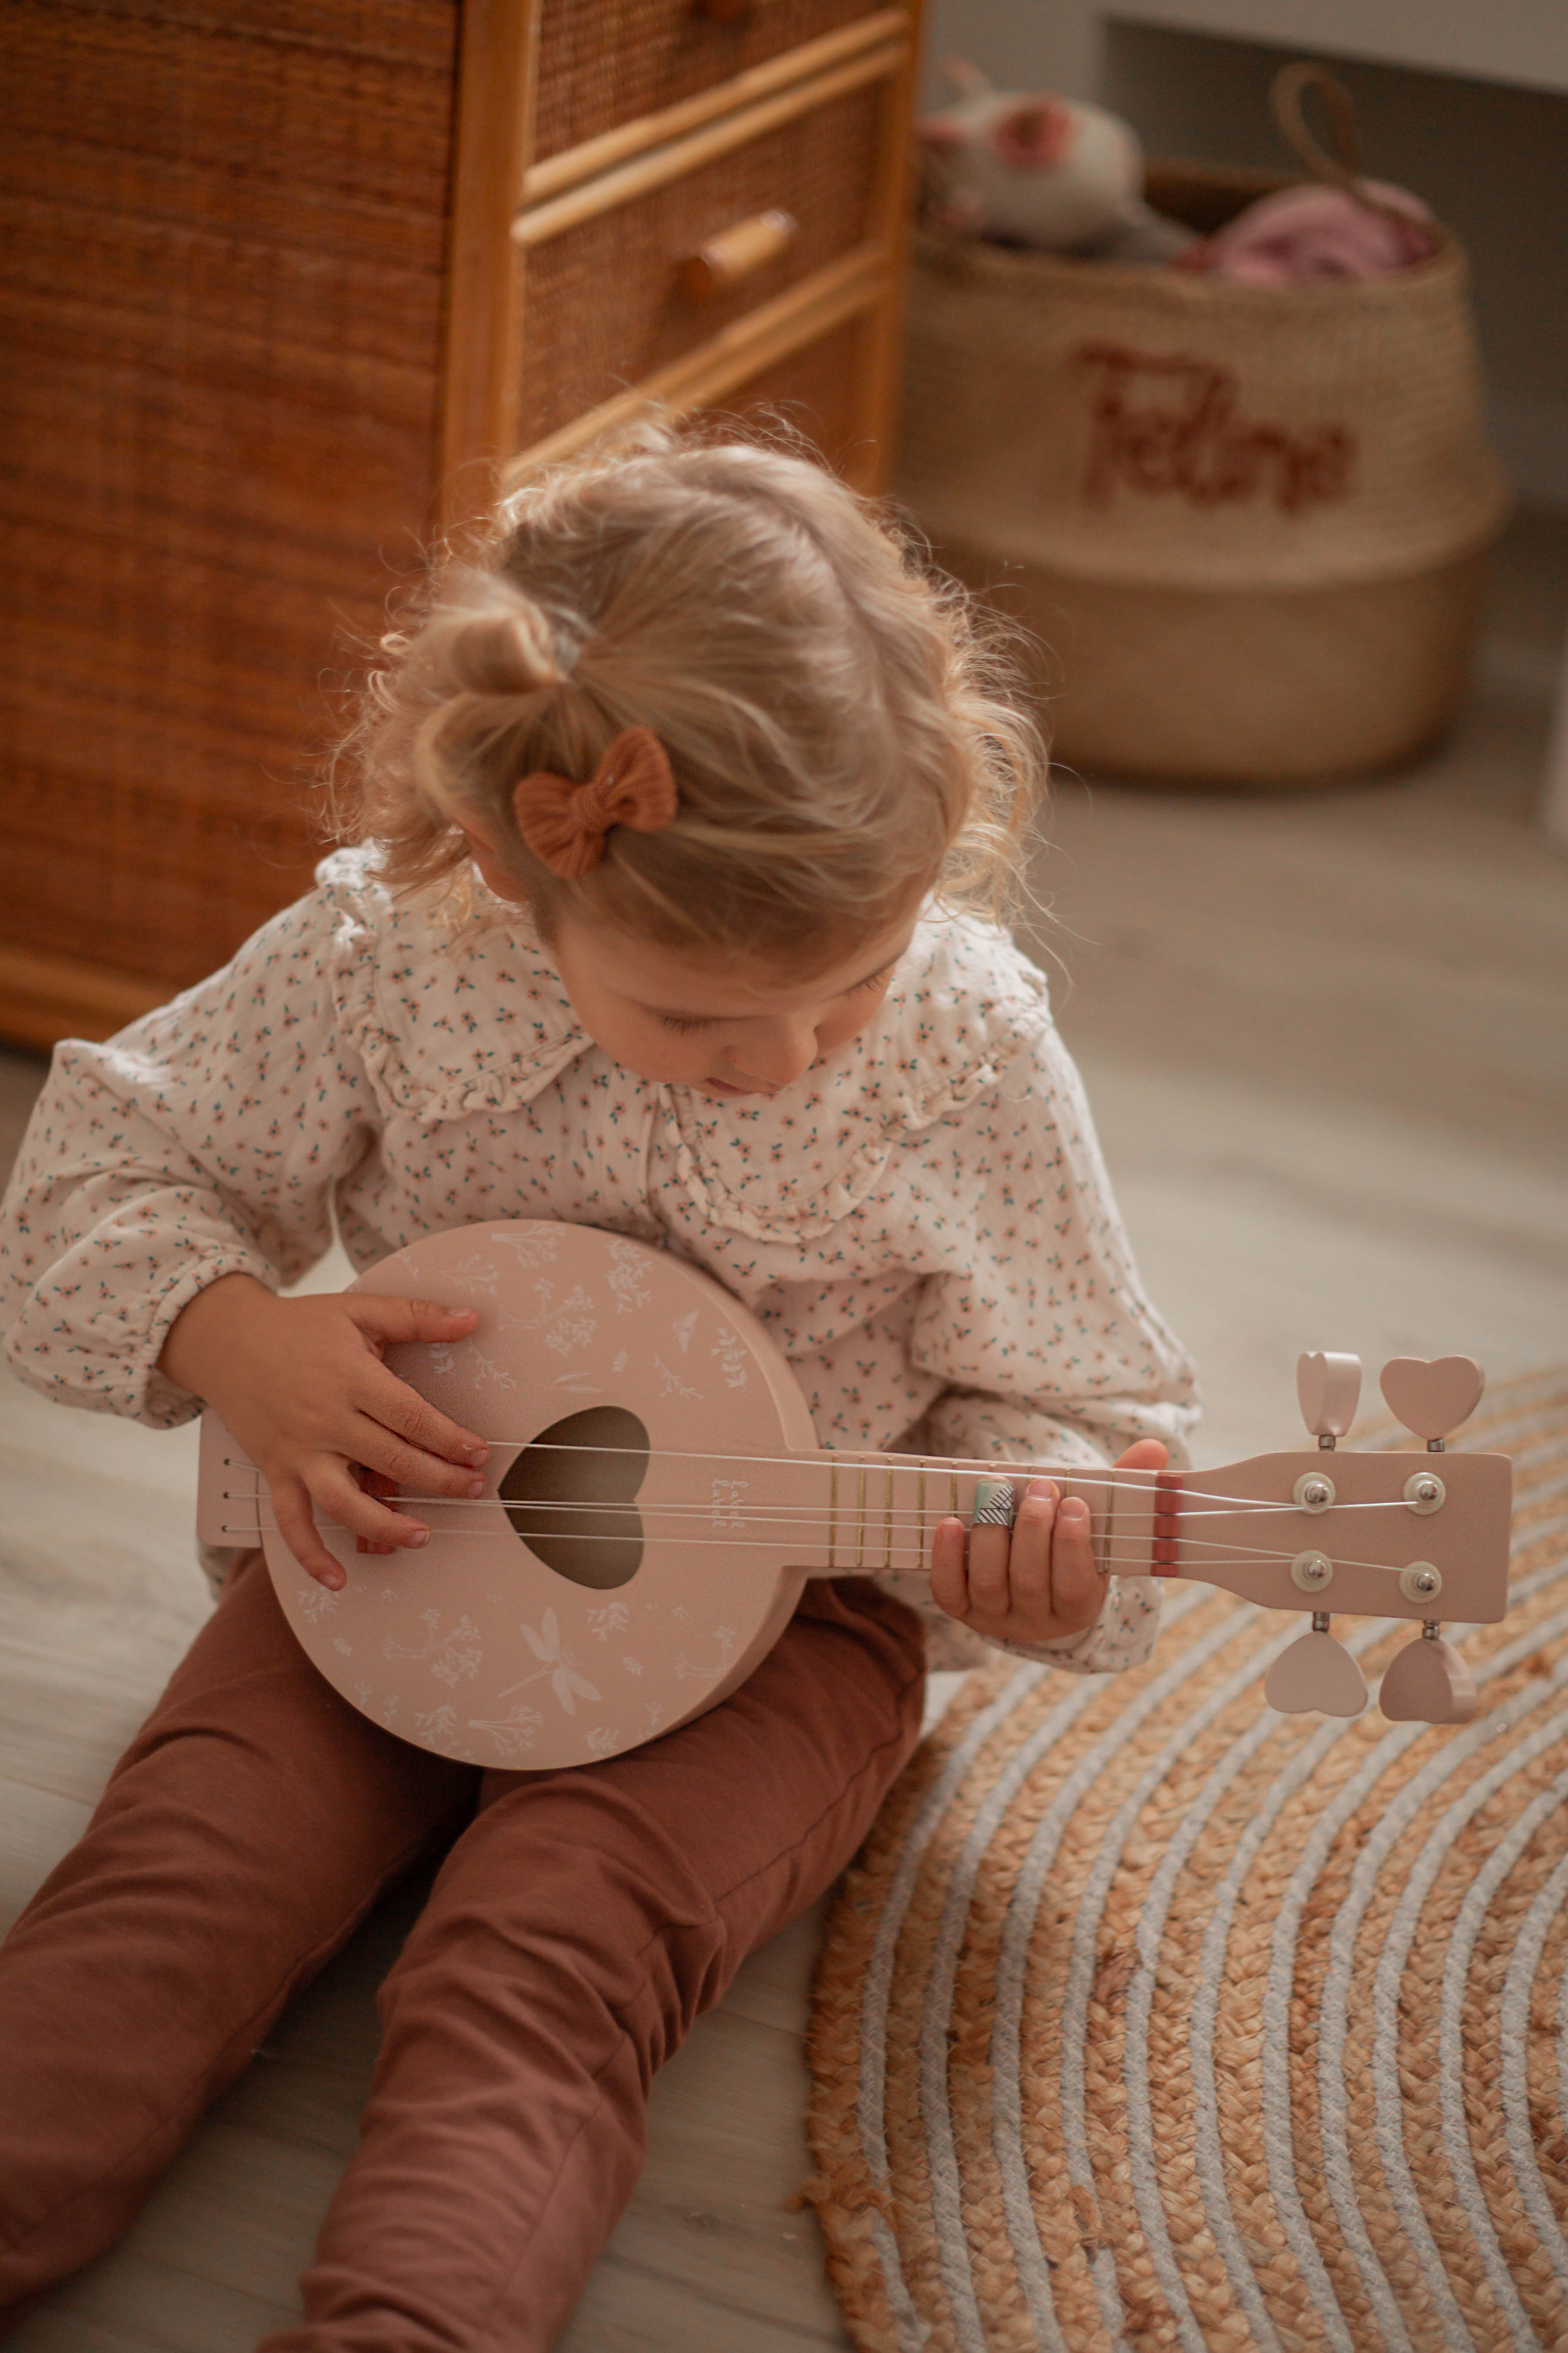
(1327, 1038)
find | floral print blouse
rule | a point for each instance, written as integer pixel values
(923, 1221)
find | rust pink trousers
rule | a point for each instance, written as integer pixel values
(579, 1923)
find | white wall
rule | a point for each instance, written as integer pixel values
(1489, 156)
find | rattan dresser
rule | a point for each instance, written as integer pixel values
(286, 285)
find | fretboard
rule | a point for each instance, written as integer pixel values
(879, 1512)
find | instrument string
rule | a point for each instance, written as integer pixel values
(810, 1517)
(1216, 1555)
(919, 1466)
(1178, 1501)
(804, 1515)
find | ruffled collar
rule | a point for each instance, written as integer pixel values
(448, 1019)
(453, 1022)
(964, 1006)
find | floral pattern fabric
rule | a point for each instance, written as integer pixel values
(924, 1222)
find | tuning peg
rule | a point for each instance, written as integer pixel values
(1327, 1387)
(1316, 1672)
(1433, 1398)
(1428, 1682)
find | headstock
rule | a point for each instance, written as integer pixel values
(1386, 1535)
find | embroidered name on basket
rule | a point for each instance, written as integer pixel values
(1172, 424)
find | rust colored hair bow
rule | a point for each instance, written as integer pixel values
(566, 824)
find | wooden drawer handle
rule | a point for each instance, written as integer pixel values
(734, 253)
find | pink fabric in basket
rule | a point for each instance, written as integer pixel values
(1307, 235)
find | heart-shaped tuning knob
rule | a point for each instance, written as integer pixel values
(1327, 1387)
(1316, 1672)
(1428, 1682)
(1433, 1398)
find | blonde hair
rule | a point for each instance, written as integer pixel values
(843, 739)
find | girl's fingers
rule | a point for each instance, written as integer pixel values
(1076, 1587)
(988, 1582)
(380, 1450)
(389, 1320)
(296, 1526)
(374, 1483)
(1145, 1454)
(384, 1323)
(1029, 1569)
(331, 1488)
(339, 1496)
(949, 1583)
(408, 1416)
(1035, 1581)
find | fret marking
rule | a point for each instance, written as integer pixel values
(860, 1522)
(887, 1524)
(832, 1518)
(1167, 1529)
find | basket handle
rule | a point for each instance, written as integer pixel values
(1290, 85)
(1343, 170)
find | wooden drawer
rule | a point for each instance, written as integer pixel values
(601, 303)
(604, 62)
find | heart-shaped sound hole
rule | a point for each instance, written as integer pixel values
(569, 1496)
(1433, 1398)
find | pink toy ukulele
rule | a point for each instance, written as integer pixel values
(658, 1499)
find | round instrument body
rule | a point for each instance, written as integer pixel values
(475, 1646)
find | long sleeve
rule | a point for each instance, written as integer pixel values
(1046, 1344)
(205, 1140)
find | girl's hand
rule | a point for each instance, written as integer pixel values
(1035, 1581)
(302, 1385)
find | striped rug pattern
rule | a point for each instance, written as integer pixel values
(1151, 2018)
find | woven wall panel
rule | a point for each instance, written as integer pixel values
(221, 257)
(604, 62)
(820, 391)
(601, 305)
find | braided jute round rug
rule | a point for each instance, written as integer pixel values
(1153, 2017)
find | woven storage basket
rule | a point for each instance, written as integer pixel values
(1246, 522)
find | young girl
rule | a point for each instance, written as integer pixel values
(674, 813)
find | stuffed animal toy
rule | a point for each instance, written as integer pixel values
(1036, 169)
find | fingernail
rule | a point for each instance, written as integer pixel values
(476, 1487)
(1074, 1511)
(477, 1453)
(418, 1536)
